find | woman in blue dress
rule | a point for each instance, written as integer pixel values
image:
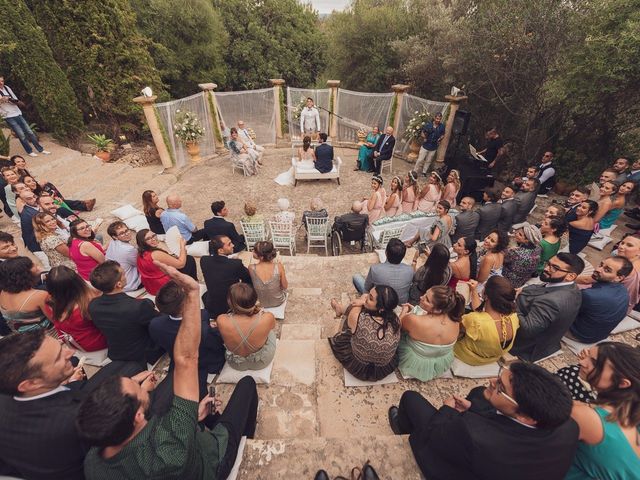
(366, 151)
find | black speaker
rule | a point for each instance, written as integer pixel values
(461, 122)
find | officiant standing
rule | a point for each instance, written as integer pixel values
(310, 120)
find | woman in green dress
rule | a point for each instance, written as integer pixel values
(366, 151)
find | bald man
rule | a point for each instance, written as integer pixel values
(383, 149)
(173, 216)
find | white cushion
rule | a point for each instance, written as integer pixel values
(230, 375)
(576, 347)
(137, 223)
(382, 255)
(198, 249)
(554, 354)
(126, 211)
(461, 369)
(628, 323)
(446, 374)
(233, 474)
(172, 240)
(599, 243)
(351, 381)
(97, 359)
(278, 311)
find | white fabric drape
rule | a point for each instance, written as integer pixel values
(255, 107)
(361, 110)
(411, 105)
(320, 98)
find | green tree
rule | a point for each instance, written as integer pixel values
(189, 42)
(28, 60)
(103, 54)
(271, 39)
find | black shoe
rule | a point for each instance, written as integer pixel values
(634, 215)
(321, 475)
(393, 420)
(632, 226)
(369, 473)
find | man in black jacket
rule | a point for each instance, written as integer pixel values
(220, 272)
(218, 225)
(489, 213)
(383, 149)
(519, 426)
(509, 207)
(324, 155)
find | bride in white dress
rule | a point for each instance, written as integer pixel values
(306, 157)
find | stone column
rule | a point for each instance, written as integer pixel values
(399, 90)
(332, 128)
(156, 129)
(454, 104)
(210, 97)
(277, 84)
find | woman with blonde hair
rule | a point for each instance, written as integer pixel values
(250, 213)
(452, 188)
(430, 194)
(54, 246)
(393, 204)
(268, 277)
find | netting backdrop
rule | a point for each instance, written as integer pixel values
(410, 106)
(196, 104)
(320, 98)
(361, 110)
(255, 107)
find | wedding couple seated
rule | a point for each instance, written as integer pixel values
(310, 164)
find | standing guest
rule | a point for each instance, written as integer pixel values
(609, 428)
(268, 277)
(374, 205)
(429, 195)
(247, 330)
(219, 225)
(435, 271)
(68, 309)
(605, 202)
(429, 332)
(113, 418)
(55, 248)
(11, 113)
(392, 272)
(617, 207)
(317, 211)
(251, 214)
(605, 304)
(152, 211)
(393, 203)
(521, 261)
(491, 258)
(240, 155)
(173, 216)
(8, 248)
(120, 250)
(466, 221)
(284, 215)
(466, 265)
(508, 208)
(441, 229)
(309, 119)
(433, 133)
(367, 342)
(365, 153)
(493, 432)
(552, 230)
(526, 200)
(409, 192)
(123, 320)
(245, 137)
(452, 188)
(324, 155)
(490, 330)
(149, 252)
(30, 210)
(489, 213)
(546, 311)
(546, 174)
(580, 224)
(85, 251)
(220, 272)
(383, 149)
(494, 150)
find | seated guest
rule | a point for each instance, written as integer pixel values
(435, 271)
(554, 211)
(220, 272)
(151, 276)
(429, 195)
(393, 203)
(317, 211)
(241, 155)
(490, 330)
(250, 213)
(284, 215)
(368, 339)
(429, 332)
(11, 177)
(526, 199)
(173, 216)
(354, 219)
(576, 197)
(374, 205)
(85, 251)
(68, 308)
(604, 305)
(152, 211)
(245, 137)
(324, 155)
(489, 213)
(392, 272)
(218, 225)
(120, 250)
(609, 175)
(605, 202)
(29, 211)
(8, 248)
(226, 134)
(493, 432)
(546, 174)
(18, 188)
(521, 261)
(45, 228)
(621, 165)
(383, 149)
(617, 206)
(580, 223)
(629, 248)
(409, 192)
(113, 418)
(608, 446)
(509, 207)
(532, 172)
(452, 188)
(365, 153)
(466, 221)
(40, 395)
(247, 330)
(440, 230)
(491, 257)
(268, 277)
(465, 266)
(546, 311)
(47, 205)
(123, 320)
(552, 230)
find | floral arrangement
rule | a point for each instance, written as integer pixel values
(187, 127)
(297, 110)
(414, 129)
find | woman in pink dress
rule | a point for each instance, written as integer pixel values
(392, 206)
(452, 188)
(430, 194)
(374, 205)
(409, 192)
(85, 251)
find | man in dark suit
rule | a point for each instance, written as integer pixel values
(218, 225)
(29, 211)
(123, 320)
(519, 426)
(508, 207)
(324, 155)
(526, 199)
(546, 311)
(466, 221)
(383, 149)
(489, 213)
(220, 272)
(38, 408)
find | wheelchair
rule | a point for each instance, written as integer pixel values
(354, 231)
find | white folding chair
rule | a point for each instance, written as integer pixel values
(283, 235)
(318, 233)
(388, 164)
(388, 234)
(238, 164)
(254, 232)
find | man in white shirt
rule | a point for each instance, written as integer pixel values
(121, 251)
(546, 174)
(10, 111)
(309, 119)
(245, 137)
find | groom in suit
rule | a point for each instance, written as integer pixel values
(324, 155)
(383, 149)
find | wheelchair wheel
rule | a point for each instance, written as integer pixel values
(336, 243)
(369, 243)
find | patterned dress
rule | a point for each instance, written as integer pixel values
(520, 263)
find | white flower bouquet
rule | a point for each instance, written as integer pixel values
(187, 127)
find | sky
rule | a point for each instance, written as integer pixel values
(326, 6)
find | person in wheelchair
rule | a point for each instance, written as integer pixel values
(351, 226)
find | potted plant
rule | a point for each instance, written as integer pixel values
(189, 131)
(103, 146)
(413, 132)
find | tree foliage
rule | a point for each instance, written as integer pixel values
(28, 61)
(189, 42)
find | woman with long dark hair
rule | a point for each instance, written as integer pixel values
(436, 271)
(365, 153)
(581, 224)
(491, 258)
(85, 251)
(393, 203)
(552, 230)
(466, 265)
(152, 211)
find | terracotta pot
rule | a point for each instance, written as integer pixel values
(104, 156)
(414, 149)
(193, 149)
